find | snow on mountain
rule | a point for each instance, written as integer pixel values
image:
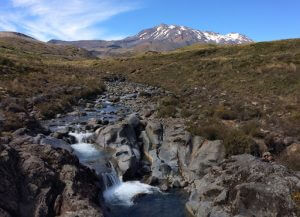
(183, 33)
(159, 38)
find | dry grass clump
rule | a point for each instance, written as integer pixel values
(237, 142)
(296, 198)
(167, 107)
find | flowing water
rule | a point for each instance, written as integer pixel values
(124, 199)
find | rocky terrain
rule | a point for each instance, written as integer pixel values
(218, 122)
(159, 38)
(243, 185)
(43, 177)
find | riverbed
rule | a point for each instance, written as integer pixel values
(122, 199)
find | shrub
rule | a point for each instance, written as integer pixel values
(252, 128)
(225, 113)
(167, 107)
(237, 142)
(166, 111)
(296, 198)
(210, 129)
(246, 113)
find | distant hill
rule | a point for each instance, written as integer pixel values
(19, 43)
(5, 34)
(159, 38)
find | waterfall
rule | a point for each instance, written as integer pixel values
(81, 137)
(85, 151)
(118, 192)
(110, 179)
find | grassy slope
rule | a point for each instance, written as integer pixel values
(258, 82)
(41, 78)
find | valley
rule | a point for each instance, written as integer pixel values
(172, 133)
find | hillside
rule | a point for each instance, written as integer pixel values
(40, 78)
(254, 87)
(211, 110)
(159, 38)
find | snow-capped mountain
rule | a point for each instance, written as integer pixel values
(159, 38)
(176, 33)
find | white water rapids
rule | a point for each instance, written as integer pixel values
(116, 191)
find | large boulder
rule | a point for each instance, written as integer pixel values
(56, 143)
(121, 139)
(291, 156)
(199, 156)
(39, 181)
(245, 186)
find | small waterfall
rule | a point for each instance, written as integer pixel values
(84, 150)
(81, 137)
(118, 192)
(110, 179)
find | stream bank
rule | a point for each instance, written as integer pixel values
(105, 134)
(119, 140)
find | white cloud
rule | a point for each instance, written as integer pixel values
(62, 19)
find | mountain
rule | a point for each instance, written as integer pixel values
(18, 35)
(19, 43)
(159, 38)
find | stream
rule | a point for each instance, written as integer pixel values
(123, 199)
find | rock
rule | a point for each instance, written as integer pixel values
(275, 143)
(288, 141)
(134, 121)
(38, 181)
(154, 132)
(93, 124)
(244, 186)
(5, 140)
(114, 99)
(164, 186)
(37, 139)
(89, 106)
(199, 156)
(290, 156)
(56, 143)
(20, 132)
(60, 134)
(293, 151)
(121, 139)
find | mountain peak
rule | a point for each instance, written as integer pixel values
(162, 37)
(165, 32)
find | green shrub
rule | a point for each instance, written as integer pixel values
(237, 142)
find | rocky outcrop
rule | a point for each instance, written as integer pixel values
(176, 156)
(198, 156)
(40, 181)
(121, 138)
(244, 186)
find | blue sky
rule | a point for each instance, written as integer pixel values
(261, 20)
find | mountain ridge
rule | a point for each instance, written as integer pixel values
(159, 38)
